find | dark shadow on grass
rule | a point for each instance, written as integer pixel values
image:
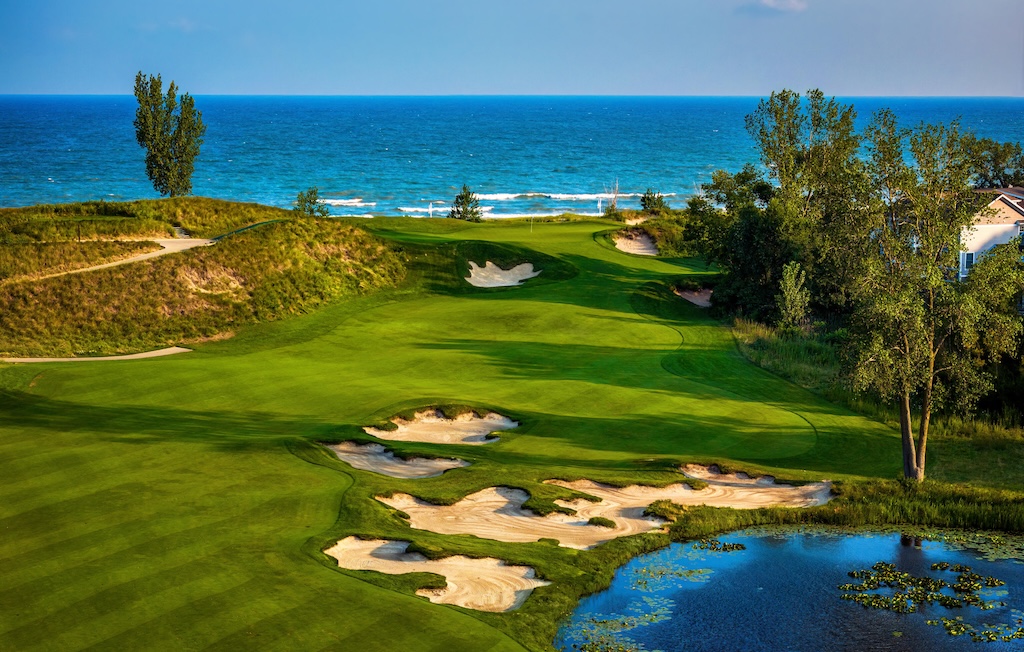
(141, 425)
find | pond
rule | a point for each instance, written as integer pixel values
(781, 591)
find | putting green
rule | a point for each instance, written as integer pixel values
(172, 503)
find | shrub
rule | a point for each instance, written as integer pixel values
(466, 206)
(309, 203)
(653, 203)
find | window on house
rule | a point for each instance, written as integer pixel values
(969, 260)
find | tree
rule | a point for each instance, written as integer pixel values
(171, 134)
(309, 203)
(918, 336)
(997, 165)
(810, 147)
(793, 297)
(466, 206)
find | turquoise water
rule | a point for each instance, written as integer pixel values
(401, 155)
(780, 593)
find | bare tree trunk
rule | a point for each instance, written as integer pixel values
(922, 436)
(907, 433)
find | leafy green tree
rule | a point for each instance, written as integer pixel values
(997, 165)
(466, 206)
(309, 203)
(793, 297)
(170, 133)
(918, 336)
(810, 148)
(653, 202)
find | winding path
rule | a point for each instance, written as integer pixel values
(169, 246)
(159, 353)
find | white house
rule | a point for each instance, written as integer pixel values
(1002, 221)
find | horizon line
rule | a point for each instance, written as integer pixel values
(513, 95)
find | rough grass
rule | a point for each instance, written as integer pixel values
(183, 502)
(152, 218)
(262, 274)
(21, 261)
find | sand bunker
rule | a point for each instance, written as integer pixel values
(432, 427)
(633, 242)
(484, 584)
(700, 298)
(497, 512)
(376, 458)
(492, 276)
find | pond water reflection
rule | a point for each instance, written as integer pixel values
(781, 593)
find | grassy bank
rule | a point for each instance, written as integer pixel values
(25, 261)
(202, 217)
(261, 274)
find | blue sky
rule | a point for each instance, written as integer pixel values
(570, 47)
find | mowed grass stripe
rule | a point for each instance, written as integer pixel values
(124, 549)
(117, 606)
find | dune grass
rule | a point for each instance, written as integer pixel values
(24, 261)
(183, 502)
(201, 217)
(263, 274)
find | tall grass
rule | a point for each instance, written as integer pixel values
(20, 261)
(258, 275)
(155, 218)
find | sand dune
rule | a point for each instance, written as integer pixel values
(486, 584)
(376, 458)
(432, 427)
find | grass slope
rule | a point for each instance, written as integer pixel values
(182, 503)
(260, 274)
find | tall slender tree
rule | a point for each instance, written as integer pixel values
(170, 132)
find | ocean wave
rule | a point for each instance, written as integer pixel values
(510, 216)
(440, 208)
(357, 202)
(561, 196)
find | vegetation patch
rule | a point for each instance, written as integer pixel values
(884, 587)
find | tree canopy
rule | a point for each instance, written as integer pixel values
(171, 132)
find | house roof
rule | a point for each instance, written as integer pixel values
(1006, 208)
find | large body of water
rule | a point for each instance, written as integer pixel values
(395, 155)
(780, 593)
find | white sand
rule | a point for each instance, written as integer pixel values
(131, 356)
(376, 458)
(492, 276)
(486, 584)
(633, 242)
(700, 298)
(430, 426)
(497, 512)
(639, 219)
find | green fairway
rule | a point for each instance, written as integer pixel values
(182, 503)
